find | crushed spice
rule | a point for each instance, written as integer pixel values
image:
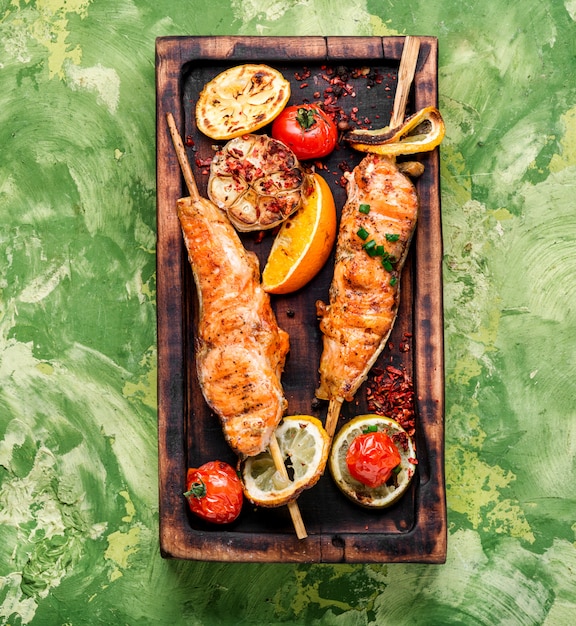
(390, 392)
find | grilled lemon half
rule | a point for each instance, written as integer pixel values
(304, 446)
(241, 100)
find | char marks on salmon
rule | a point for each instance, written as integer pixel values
(240, 349)
(382, 208)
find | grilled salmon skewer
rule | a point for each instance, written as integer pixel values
(376, 227)
(240, 349)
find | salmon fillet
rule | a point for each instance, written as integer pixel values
(240, 349)
(382, 206)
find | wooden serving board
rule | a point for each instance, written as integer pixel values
(414, 529)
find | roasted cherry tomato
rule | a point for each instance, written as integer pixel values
(214, 492)
(307, 130)
(372, 457)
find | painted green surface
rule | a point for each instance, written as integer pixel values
(78, 488)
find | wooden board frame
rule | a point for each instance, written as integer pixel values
(416, 531)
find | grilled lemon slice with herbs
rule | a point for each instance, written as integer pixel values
(366, 489)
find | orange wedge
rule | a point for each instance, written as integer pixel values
(304, 242)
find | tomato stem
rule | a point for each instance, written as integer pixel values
(306, 118)
(197, 490)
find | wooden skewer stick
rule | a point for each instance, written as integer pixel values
(183, 158)
(275, 451)
(406, 73)
(332, 417)
(293, 507)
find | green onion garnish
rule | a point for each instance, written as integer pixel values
(364, 208)
(392, 237)
(393, 281)
(387, 265)
(371, 247)
(362, 233)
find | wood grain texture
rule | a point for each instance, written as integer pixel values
(415, 528)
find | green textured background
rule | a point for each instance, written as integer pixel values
(78, 456)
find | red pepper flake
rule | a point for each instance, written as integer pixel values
(189, 141)
(305, 74)
(390, 392)
(200, 163)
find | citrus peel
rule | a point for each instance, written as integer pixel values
(420, 132)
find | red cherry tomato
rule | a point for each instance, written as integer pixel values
(371, 458)
(214, 492)
(307, 130)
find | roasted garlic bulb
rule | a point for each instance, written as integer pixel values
(258, 181)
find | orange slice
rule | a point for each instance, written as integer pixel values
(304, 242)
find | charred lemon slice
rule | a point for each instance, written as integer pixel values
(421, 132)
(304, 445)
(385, 494)
(241, 100)
(258, 181)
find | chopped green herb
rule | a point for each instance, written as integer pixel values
(387, 265)
(364, 208)
(371, 247)
(380, 250)
(373, 428)
(393, 281)
(362, 233)
(392, 236)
